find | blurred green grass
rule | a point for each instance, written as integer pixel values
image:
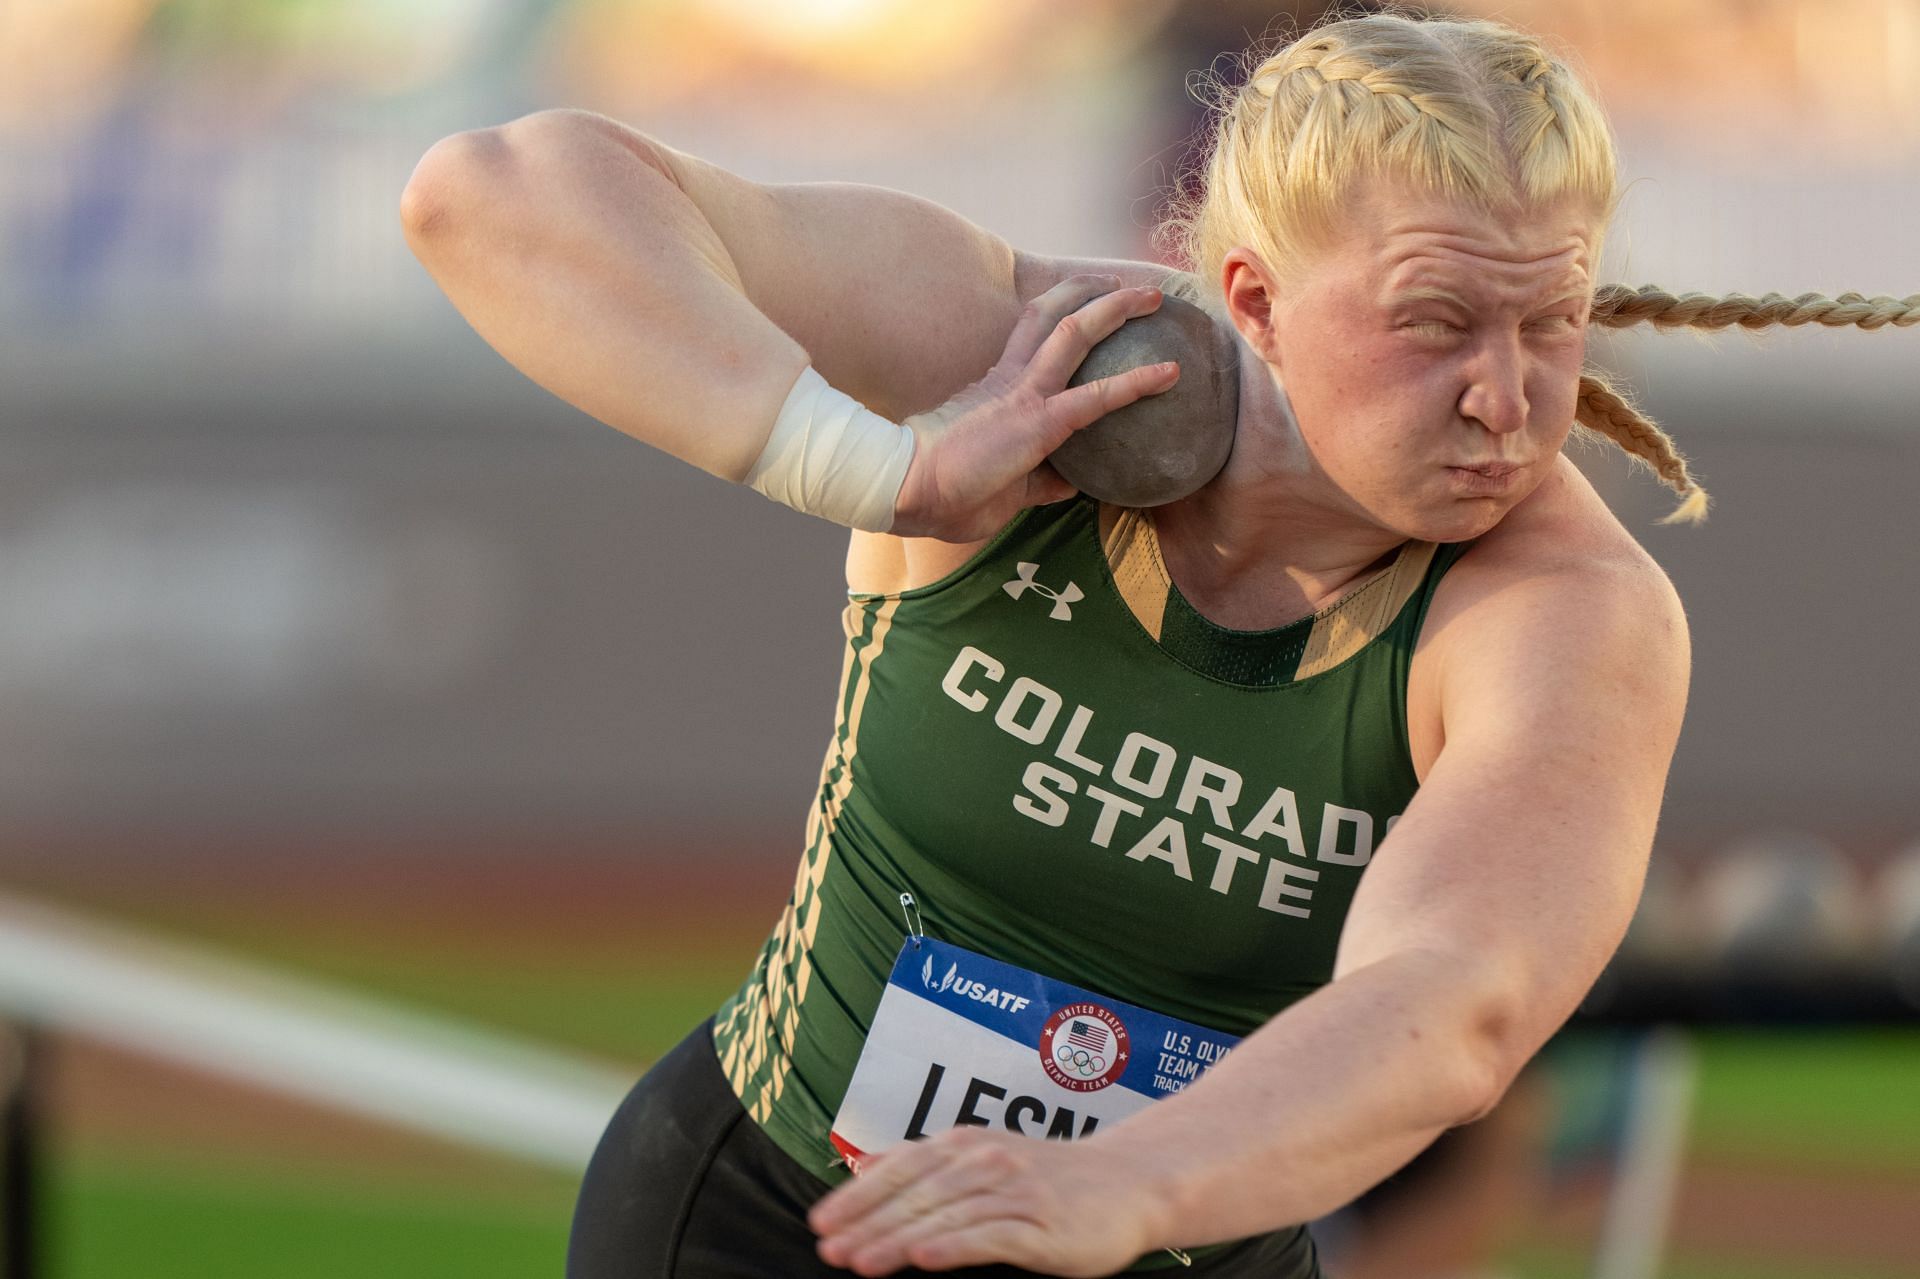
(116, 1216)
(1844, 1100)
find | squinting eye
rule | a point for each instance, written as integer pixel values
(1432, 328)
(1554, 324)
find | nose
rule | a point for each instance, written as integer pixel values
(1496, 392)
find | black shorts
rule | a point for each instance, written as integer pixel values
(685, 1186)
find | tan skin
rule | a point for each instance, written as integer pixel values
(1546, 691)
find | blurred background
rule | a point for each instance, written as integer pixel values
(329, 643)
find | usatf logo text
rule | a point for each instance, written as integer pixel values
(1062, 600)
(978, 991)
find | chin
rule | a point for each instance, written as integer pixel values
(1453, 521)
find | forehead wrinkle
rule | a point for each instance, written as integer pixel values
(1390, 225)
(1517, 243)
(1449, 276)
(1457, 251)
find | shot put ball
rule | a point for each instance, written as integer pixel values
(1162, 447)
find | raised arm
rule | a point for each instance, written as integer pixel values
(679, 303)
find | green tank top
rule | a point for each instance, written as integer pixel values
(1072, 770)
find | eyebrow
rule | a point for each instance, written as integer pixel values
(1429, 293)
(1433, 293)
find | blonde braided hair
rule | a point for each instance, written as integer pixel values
(1473, 110)
(1604, 410)
(1615, 306)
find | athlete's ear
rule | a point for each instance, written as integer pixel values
(1249, 287)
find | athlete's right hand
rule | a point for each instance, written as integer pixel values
(981, 458)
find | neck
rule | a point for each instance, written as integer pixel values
(1268, 540)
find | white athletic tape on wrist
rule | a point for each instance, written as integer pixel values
(831, 456)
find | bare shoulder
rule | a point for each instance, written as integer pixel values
(1558, 607)
(1563, 545)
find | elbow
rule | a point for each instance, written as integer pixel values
(1482, 1085)
(512, 167)
(447, 183)
(1491, 1056)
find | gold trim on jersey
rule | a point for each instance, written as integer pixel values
(760, 1030)
(1133, 556)
(1357, 618)
(1339, 631)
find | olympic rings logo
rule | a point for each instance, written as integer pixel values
(1084, 1047)
(1079, 1061)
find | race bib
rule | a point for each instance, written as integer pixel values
(961, 1039)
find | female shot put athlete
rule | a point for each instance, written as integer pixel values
(1355, 753)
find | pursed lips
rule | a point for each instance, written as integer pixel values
(1486, 479)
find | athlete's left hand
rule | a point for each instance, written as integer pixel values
(970, 1196)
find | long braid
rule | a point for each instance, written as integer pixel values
(1606, 411)
(1603, 409)
(1616, 306)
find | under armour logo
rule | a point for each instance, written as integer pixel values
(1061, 599)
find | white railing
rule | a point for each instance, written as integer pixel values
(425, 1072)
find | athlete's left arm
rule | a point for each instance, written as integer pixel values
(1481, 923)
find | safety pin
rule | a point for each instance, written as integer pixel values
(915, 931)
(1180, 1257)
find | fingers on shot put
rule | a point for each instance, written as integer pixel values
(1042, 315)
(1074, 331)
